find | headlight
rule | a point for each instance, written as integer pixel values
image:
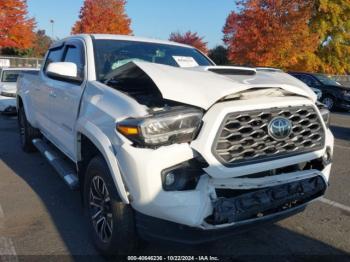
(324, 113)
(176, 125)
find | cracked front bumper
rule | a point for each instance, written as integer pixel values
(261, 202)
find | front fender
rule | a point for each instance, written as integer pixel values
(104, 145)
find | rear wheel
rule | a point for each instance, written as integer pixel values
(111, 221)
(26, 132)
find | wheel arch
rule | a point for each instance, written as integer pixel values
(91, 142)
(22, 102)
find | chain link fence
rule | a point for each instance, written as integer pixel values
(342, 79)
(10, 61)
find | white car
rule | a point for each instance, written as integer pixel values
(162, 143)
(8, 79)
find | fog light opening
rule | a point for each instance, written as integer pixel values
(183, 176)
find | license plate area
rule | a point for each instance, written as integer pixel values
(238, 205)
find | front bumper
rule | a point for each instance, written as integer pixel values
(197, 208)
(151, 228)
(7, 104)
(239, 213)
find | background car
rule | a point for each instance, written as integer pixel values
(333, 94)
(8, 89)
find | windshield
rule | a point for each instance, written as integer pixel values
(9, 76)
(111, 54)
(327, 81)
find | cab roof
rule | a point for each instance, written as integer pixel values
(120, 37)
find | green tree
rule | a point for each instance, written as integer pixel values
(331, 20)
(219, 55)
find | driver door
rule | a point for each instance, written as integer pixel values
(66, 100)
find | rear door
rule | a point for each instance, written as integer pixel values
(65, 99)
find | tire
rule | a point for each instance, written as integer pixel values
(111, 222)
(329, 101)
(26, 132)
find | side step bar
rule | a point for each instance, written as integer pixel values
(64, 169)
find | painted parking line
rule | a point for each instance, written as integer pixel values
(2, 216)
(334, 204)
(7, 248)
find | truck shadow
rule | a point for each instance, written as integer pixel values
(66, 213)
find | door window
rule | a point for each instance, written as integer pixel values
(308, 80)
(75, 55)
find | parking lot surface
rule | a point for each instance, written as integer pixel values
(40, 216)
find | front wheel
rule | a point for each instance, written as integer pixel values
(111, 221)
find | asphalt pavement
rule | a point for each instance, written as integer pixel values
(41, 218)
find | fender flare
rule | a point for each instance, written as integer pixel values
(104, 145)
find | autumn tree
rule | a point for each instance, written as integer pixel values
(219, 55)
(41, 44)
(103, 16)
(272, 33)
(330, 20)
(16, 28)
(190, 38)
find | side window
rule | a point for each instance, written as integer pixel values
(75, 55)
(55, 55)
(307, 80)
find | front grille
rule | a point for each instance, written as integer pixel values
(244, 138)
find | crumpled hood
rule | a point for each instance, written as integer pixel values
(199, 87)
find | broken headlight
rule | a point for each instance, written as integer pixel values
(175, 125)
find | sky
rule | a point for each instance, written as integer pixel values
(150, 18)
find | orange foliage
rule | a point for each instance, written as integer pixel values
(104, 17)
(16, 29)
(190, 38)
(272, 33)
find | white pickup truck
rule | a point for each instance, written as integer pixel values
(165, 144)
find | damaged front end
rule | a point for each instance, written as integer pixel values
(255, 203)
(203, 157)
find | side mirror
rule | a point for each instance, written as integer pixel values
(65, 71)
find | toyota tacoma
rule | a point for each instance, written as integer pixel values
(162, 143)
